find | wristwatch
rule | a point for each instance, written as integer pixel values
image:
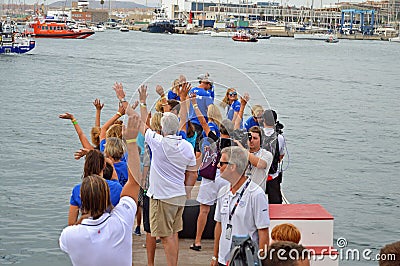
(122, 100)
(214, 258)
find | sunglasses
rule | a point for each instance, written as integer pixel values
(223, 163)
(232, 93)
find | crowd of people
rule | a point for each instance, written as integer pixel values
(149, 163)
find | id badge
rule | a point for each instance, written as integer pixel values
(228, 232)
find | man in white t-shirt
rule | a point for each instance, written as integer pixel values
(259, 159)
(172, 158)
(104, 237)
(242, 207)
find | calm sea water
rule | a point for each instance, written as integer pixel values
(339, 104)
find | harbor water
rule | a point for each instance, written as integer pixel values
(339, 104)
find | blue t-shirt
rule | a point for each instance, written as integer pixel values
(250, 122)
(115, 193)
(204, 99)
(140, 143)
(173, 96)
(213, 127)
(234, 107)
(192, 140)
(122, 171)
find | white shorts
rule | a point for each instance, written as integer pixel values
(208, 190)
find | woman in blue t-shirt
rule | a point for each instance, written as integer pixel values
(231, 104)
(95, 164)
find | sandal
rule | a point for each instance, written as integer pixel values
(195, 247)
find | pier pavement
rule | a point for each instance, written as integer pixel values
(186, 255)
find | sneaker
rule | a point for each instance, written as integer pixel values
(137, 231)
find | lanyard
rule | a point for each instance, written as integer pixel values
(237, 202)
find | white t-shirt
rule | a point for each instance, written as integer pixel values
(104, 241)
(208, 190)
(252, 213)
(282, 144)
(259, 175)
(171, 157)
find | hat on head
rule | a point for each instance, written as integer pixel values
(270, 117)
(205, 78)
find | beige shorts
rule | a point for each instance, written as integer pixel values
(166, 216)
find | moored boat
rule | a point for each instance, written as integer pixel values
(332, 39)
(322, 36)
(161, 24)
(396, 39)
(263, 37)
(124, 29)
(244, 37)
(50, 28)
(12, 41)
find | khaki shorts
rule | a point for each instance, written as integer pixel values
(166, 217)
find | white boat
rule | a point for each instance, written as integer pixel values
(396, 39)
(226, 34)
(98, 28)
(205, 32)
(314, 36)
(124, 29)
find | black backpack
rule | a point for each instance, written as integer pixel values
(271, 144)
(244, 252)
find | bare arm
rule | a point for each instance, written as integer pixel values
(243, 102)
(111, 121)
(82, 137)
(143, 108)
(257, 161)
(190, 180)
(131, 188)
(263, 240)
(183, 93)
(217, 236)
(73, 214)
(98, 106)
(160, 91)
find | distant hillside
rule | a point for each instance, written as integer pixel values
(96, 4)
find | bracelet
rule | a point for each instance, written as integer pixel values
(130, 141)
(74, 121)
(214, 258)
(143, 104)
(195, 105)
(122, 100)
(119, 114)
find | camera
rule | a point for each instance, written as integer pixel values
(242, 136)
(279, 127)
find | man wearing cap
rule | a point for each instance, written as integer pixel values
(204, 97)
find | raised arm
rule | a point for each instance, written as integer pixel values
(143, 108)
(160, 91)
(111, 121)
(82, 137)
(243, 102)
(131, 188)
(183, 95)
(98, 106)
